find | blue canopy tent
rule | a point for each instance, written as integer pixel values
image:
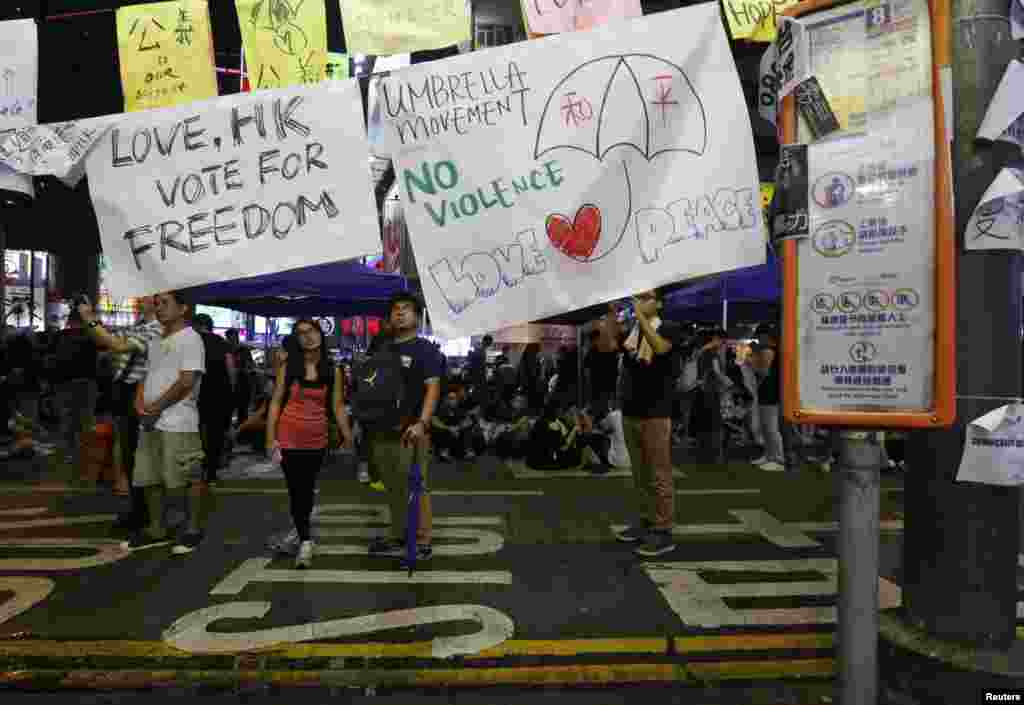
(754, 292)
(338, 289)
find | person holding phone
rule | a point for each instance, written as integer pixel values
(309, 394)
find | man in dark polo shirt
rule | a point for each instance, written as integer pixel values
(649, 370)
(392, 450)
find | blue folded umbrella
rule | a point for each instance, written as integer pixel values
(413, 514)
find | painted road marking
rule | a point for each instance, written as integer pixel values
(190, 633)
(28, 592)
(381, 514)
(58, 521)
(106, 551)
(488, 493)
(484, 542)
(740, 529)
(702, 604)
(750, 641)
(254, 570)
(763, 523)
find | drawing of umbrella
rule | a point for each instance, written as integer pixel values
(413, 515)
(627, 100)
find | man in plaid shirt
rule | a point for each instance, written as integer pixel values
(131, 346)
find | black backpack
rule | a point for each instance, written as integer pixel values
(378, 389)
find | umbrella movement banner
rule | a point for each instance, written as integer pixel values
(166, 54)
(241, 185)
(546, 176)
(285, 42)
(385, 27)
(557, 16)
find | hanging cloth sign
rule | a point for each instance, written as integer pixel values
(19, 60)
(544, 177)
(285, 42)
(385, 27)
(246, 184)
(557, 16)
(166, 54)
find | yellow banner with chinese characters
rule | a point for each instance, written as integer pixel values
(166, 54)
(285, 41)
(754, 20)
(767, 192)
(386, 27)
(337, 66)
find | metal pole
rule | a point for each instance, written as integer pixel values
(961, 539)
(31, 289)
(725, 314)
(579, 366)
(860, 459)
(3, 275)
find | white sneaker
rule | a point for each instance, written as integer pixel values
(760, 461)
(364, 476)
(772, 466)
(305, 557)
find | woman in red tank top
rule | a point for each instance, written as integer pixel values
(308, 391)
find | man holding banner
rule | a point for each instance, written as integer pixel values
(650, 366)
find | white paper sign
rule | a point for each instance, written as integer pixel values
(58, 149)
(555, 174)
(233, 187)
(768, 81)
(1017, 18)
(1004, 119)
(19, 86)
(793, 51)
(998, 221)
(994, 449)
(866, 301)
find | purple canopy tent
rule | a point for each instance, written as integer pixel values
(339, 288)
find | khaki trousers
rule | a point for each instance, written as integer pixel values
(650, 449)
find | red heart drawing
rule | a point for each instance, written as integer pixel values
(579, 238)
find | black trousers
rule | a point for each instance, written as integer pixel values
(243, 398)
(301, 468)
(128, 434)
(214, 422)
(454, 443)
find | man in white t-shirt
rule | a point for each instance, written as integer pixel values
(170, 454)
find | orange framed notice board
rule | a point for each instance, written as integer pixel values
(865, 214)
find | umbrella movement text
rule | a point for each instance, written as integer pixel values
(454, 103)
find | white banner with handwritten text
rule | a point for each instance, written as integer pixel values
(19, 83)
(232, 187)
(551, 175)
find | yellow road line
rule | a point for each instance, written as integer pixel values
(531, 676)
(746, 670)
(422, 649)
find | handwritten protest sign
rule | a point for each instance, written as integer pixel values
(385, 27)
(546, 176)
(166, 54)
(285, 41)
(754, 20)
(56, 149)
(237, 186)
(557, 16)
(19, 77)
